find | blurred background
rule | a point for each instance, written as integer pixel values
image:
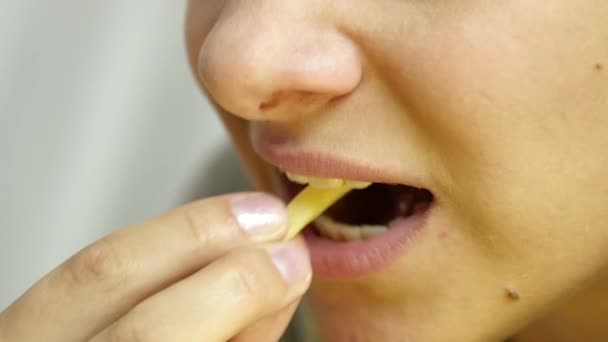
(101, 125)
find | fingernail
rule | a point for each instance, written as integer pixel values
(292, 260)
(261, 216)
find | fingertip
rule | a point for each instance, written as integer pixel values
(261, 216)
(292, 260)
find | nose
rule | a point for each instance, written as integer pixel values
(276, 59)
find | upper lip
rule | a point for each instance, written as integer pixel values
(326, 164)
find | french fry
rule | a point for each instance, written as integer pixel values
(309, 204)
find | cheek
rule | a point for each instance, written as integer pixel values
(514, 109)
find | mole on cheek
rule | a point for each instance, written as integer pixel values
(599, 67)
(512, 294)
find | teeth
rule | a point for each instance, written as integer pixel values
(344, 232)
(358, 184)
(327, 229)
(371, 231)
(297, 178)
(350, 234)
(325, 183)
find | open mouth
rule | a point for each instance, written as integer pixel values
(372, 226)
(363, 213)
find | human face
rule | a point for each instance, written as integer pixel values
(498, 108)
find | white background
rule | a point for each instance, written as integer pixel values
(101, 125)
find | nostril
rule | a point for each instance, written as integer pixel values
(299, 99)
(267, 78)
(270, 103)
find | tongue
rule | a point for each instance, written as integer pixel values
(377, 205)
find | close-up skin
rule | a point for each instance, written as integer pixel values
(497, 109)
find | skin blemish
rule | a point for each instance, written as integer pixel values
(599, 67)
(511, 294)
(443, 235)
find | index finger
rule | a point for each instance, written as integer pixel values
(106, 279)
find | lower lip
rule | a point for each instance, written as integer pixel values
(358, 258)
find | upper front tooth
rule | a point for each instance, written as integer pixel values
(315, 181)
(358, 184)
(297, 178)
(326, 182)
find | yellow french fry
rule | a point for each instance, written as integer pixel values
(309, 204)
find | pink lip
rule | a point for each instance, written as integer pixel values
(357, 258)
(329, 165)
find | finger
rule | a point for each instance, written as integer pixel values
(105, 280)
(220, 300)
(269, 328)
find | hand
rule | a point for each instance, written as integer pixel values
(208, 271)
